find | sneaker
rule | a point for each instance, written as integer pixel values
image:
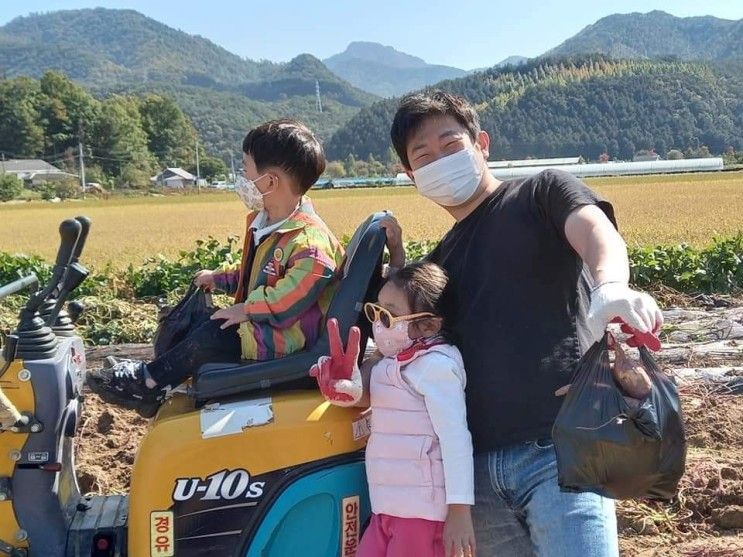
(124, 384)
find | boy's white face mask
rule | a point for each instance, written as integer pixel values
(451, 180)
(249, 192)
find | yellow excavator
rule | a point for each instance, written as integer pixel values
(248, 460)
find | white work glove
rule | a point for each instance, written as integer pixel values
(339, 392)
(615, 300)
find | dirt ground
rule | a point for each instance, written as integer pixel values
(704, 520)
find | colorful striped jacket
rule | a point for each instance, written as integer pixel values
(288, 287)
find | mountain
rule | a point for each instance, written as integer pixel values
(656, 35)
(587, 102)
(222, 117)
(375, 52)
(587, 106)
(123, 51)
(297, 78)
(116, 46)
(384, 71)
(512, 61)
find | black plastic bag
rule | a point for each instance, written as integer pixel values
(610, 445)
(174, 324)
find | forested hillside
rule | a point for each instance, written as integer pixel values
(122, 51)
(126, 139)
(583, 106)
(658, 34)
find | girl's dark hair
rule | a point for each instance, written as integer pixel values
(289, 145)
(425, 285)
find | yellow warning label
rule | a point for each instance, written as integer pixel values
(162, 542)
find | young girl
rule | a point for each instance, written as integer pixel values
(419, 455)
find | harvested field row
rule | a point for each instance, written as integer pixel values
(651, 210)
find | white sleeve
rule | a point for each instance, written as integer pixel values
(442, 384)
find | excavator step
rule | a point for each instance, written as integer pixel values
(99, 527)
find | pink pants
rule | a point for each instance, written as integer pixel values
(391, 536)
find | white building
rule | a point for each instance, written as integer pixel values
(173, 177)
(34, 171)
(593, 169)
(617, 168)
(534, 162)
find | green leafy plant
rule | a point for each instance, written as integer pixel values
(159, 275)
(47, 191)
(13, 267)
(10, 187)
(119, 307)
(67, 189)
(419, 249)
(718, 268)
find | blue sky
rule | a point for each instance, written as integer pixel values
(466, 34)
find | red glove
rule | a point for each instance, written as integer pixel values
(338, 375)
(637, 339)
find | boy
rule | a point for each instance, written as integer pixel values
(282, 288)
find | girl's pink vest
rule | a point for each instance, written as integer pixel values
(403, 457)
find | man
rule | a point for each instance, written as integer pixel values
(282, 288)
(538, 270)
(517, 258)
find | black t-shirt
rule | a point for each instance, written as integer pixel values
(521, 297)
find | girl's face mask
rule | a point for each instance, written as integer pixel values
(392, 340)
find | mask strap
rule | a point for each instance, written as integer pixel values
(259, 191)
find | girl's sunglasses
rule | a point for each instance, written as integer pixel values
(375, 312)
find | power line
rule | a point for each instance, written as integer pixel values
(69, 155)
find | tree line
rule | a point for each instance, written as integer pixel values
(125, 139)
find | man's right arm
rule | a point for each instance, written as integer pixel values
(394, 242)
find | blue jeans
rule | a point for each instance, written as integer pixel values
(519, 510)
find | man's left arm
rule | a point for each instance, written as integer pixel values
(593, 236)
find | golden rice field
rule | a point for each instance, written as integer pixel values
(650, 209)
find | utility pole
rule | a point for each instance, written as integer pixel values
(232, 166)
(317, 94)
(82, 160)
(198, 174)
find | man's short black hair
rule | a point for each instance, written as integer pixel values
(417, 107)
(289, 145)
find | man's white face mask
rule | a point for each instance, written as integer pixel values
(450, 180)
